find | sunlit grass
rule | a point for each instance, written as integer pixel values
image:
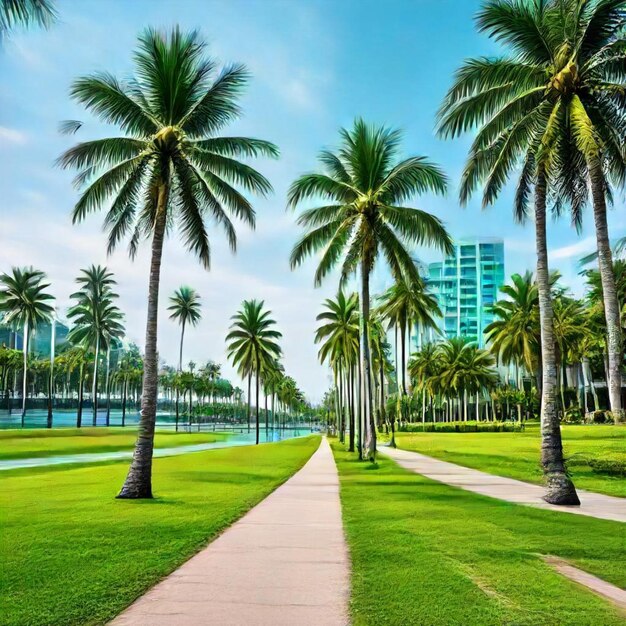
(426, 553)
(72, 554)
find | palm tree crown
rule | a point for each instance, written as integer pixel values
(23, 298)
(24, 13)
(171, 112)
(366, 186)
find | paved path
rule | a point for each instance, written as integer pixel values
(285, 563)
(509, 489)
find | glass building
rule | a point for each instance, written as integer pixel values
(466, 285)
(40, 340)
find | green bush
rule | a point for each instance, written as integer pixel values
(462, 427)
(611, 467)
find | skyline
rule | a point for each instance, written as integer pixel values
(298, 99)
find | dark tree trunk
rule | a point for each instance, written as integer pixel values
(560, 489)
(609, 291)
(366, 376)
(249, 399)
(79, 413)
(138, 483)
(257, 401)
(351, 425)
(124, 394)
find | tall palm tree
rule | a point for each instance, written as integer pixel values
(365, 187)
(24, 304)
(338, 334)
(185, 309)
(404, 305)
(24, 13)
(170, 168)
(253, 343)
(515, 102)
(97, 319)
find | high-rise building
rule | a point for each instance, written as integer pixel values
(466, 285)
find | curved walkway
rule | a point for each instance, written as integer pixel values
(509, 489)
(285, 563)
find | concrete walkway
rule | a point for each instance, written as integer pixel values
(509, 489)
(284, 563)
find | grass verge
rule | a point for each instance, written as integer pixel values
(425, 553)
(516, 455)
(23, 444)
(72, 554)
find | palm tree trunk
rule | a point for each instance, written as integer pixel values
(94, 386)
(366, 378)
(267, 420)
(257, 381)
(107, 386)
(124, 395)
(138, 483)
(403, 357)
(381, 374)
(351, 425)
(25, 371)
(180, 369)
(249, 399)
(560, 489)
(609, 292)
(81, 382)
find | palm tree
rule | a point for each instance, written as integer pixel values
(365, 187)
(406, 304)
(253, 343)
(185, 308)
(24, 304)
(516, 104)
(514, 335)
(24, 13)
(171, 168)
(97, 319)
(422, 368)
(338, 335)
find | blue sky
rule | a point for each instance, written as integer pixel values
(316, 65)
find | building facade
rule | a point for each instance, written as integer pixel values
(466, 285)
(40, 341)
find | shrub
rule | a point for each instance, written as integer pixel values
(462, 427)
(611, 467)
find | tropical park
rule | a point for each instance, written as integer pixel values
(313, 312)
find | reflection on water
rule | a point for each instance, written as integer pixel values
(234, 439)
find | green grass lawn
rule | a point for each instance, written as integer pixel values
(425, 553)
(72, 554)
(516, 455)
(22, 444)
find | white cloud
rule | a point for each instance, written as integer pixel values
(578, 249)
(12, 136)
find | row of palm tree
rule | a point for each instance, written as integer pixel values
(551, 108)
(252, 346)
(550, 111)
